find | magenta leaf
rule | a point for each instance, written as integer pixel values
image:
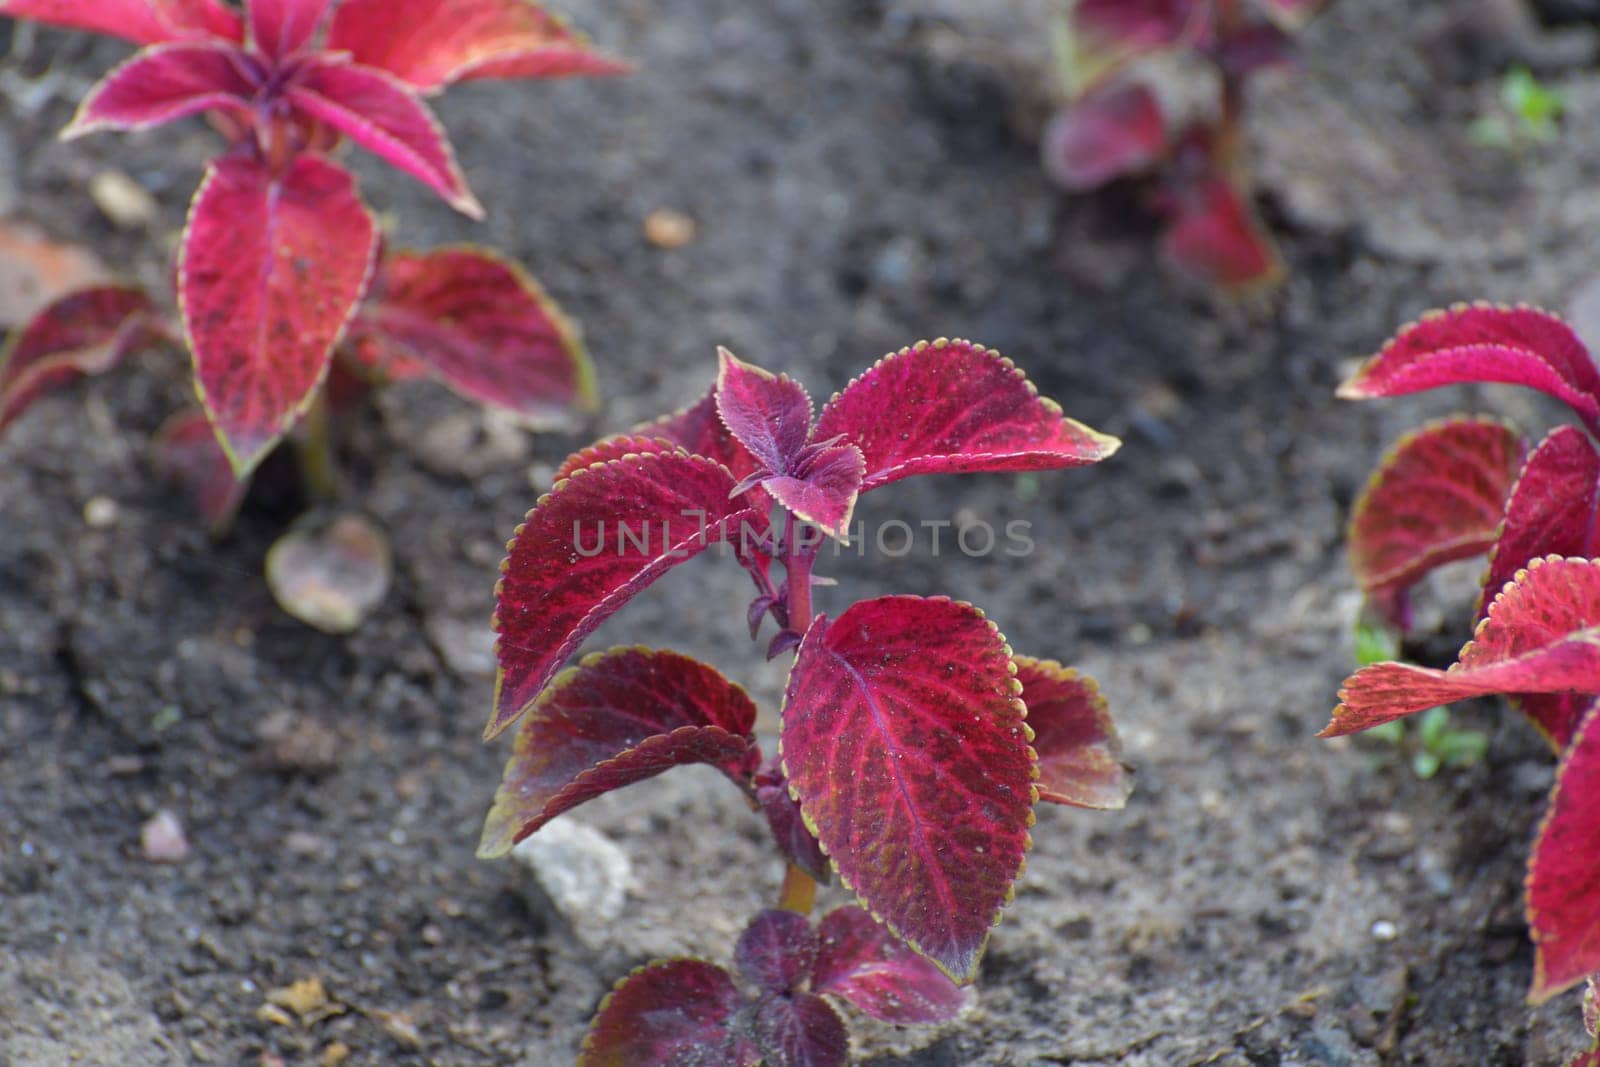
(823, 489)
(1554, 508)
(953, 406)
(1587, 1058)
(862, 963)
(140, 21)
(674, 1013)
(698, 428)
(1542, 635)
(1251, 48)
(903, 740)
(482, 326)
(588, 547)
(1136, 26)
(381, 113)
(618, 718)
(1107, 134)
(1564, 870)
(770, 414)
(83, 333)
(1215, 237)
(163, 83)
(1438, 496)
(187, 453)
(432, 43)
(272, 268)
(280, 28)
(777, 951)
(797, 843)
(610, 448)
(1080, 756)
(800, 1030)
(1484, 343)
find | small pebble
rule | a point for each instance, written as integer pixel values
(1384, 930)
(162, 839)
(100, 512)
(665, 228)
(122, 200)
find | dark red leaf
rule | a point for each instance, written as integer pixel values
(769, 414)
(1554, 508)
(432, 43)
(798, 844)
(1215, 237)
(824, 488)
(483, 327)
(953, 406)
(615, 719)
(800, 1030)
(383, 114)
(588, 547)
(1564, 870)
(610, 448)
(1542, 635)
(1080, 756)
(1484, 343)
(777, 950)
(280, 28)
(270, 272)
(85, 332)
(674, 1013)
(699, 429)
(1252, 48)
(140, 21)
(1135, 26)
(1588, 1058)
(861, 962)
(904, 742)
(1108, 134)
(1438, 496)
(163, 83)
(188, 454)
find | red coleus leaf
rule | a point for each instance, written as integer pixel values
(280, 28)
(140, 21)
(777, 950)
(670, 1014)
(164, 83)
(1108, 134)
(610, 448)
(798, 844)
(823, 489)
(615, 719)
(1253, 47)
(1080, 755)
(432, 43)
(588, 547)
(1554, 508)
(800, 1030)
(698, 428)
(769, 414)
(479, 324)
(1542, 635)
(85, 332)
(1214, 236)
(188, 454)
(861, 962)
(904, 742)
(1135, 26)
(1564, 870)
(272, 268)
(381, 113)
(1438, 496)
(1589, 1058)
(953, 406)
(1484, 343)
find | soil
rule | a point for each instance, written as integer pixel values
(862, 173)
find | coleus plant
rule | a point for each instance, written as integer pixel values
(912, 745)
(279, 249)
(1467, 485)
(1114, 126)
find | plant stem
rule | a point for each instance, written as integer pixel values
(799, 892)
(313, 453)
(1228, 143)
(797, 571)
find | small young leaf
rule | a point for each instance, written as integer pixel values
(330, 572)
(1080, 756)
(1563, 891)
(1108, 134)
(1542, 635)
(1251, 48)
(164, 83)
(1215, 237)
(777, 951)
(1484, 343)
(432, 43)
(823, 489)
(382, 114)
(861, 962)
(1438, 496)
(615, 719)
(85, 332)
(769, 414)
(953, 406)
(904, 742)
(1374, 644)
(674, 1013)
(280, 28)
(797, 843)
(481, 325)
(188, 454)
(588, 547)
(800, 1030)
(139, 21)
(271, 269)
(1136, 26)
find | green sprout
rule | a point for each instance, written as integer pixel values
(1528, 112)
(1432, 743)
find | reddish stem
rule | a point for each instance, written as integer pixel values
(799, 893)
